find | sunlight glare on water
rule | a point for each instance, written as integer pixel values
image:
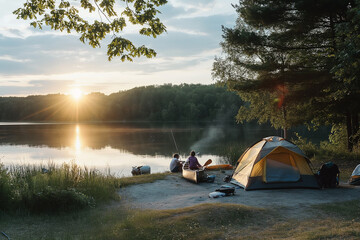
(117, 147)
(77, 139)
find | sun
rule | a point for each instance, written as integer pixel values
(76, 94)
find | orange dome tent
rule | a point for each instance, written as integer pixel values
(274, 162)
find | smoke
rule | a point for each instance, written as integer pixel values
(210, 135)
(215, 133)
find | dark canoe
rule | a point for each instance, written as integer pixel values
(195, 176)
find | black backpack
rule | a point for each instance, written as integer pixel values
(228, 190)
(328, 175)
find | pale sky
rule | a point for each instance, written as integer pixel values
(41, 62)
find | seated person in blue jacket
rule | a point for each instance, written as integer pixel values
(176, 164)
(193, 162)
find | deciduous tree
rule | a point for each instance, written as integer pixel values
(96, 19)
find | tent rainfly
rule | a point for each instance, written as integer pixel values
(355, 176)
(273, 162)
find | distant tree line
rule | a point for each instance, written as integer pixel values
(152, 103)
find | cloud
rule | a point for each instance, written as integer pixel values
(13, 59)
(34, 87)
(179, 62)
(186, 31)
(203, 8)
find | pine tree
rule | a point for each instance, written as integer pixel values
(283, 58)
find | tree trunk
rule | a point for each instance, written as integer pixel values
(285, 126)
(355, 128)
(349, 131)
(285, 133)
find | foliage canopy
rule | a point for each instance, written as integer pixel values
(81, 17)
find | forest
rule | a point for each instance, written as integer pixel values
(185, 102)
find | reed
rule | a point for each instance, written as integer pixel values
(51, 188)
(231, 153)
(54, 188)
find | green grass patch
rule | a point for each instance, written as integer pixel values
(147, 178)
(324, 228)
(88, 223)
(205, 221)
(52, 188)
(349, 210)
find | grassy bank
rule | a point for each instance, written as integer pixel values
(52, 188)
(205, 221)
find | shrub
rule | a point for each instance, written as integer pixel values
(53, 188)
(67, 187)
(5, 188)
(54, 200)
(310, 149)
(231, 153)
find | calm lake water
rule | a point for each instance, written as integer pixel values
(119, 146)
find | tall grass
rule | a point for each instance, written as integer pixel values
(231, 153)
(54, 188)
(51, 188)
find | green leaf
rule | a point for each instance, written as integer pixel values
(65, 16)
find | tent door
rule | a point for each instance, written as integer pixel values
(281, 168)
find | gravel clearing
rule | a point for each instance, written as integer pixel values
(176, 192)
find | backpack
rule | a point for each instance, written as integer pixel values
(228, 190)
(328, 175)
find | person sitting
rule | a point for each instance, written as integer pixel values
(176, 164)
(193, 162)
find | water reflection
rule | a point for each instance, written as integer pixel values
(138, 139)
(120, 146)
(77, 139)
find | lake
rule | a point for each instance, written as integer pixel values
(119, 146)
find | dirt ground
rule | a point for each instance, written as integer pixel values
(177, 192)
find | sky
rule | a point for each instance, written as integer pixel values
(34, 62)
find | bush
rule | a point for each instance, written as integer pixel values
(310, 149)
(54, 200)
(333, 150)
(329, 150)
(232, 153)
(53, 188)
(64, 188)
(5, 189)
